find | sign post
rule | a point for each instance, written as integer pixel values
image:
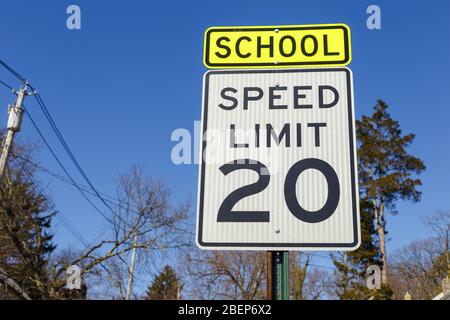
(280, 275)
(278, 168)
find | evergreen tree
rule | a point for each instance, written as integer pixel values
(385, 175)
(351, 266)
(25, 236)
(387, 172)
(165, 286)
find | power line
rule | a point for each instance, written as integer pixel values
(62, 166)
(321, 266)
(114, 201)
(54, 154)
(63, 219)
(65, 180)
(318, 255)
(52, 123)
(7, 85)
(47, 114)
(11, 70)
(61, 139)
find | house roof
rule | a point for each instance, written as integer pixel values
(443, 296)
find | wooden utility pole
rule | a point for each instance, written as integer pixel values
(14, 123)
(269, 274)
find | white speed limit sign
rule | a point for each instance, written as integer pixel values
(278, 161)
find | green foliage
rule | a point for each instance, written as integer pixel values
(351, 266)
(25, 236)
(385, 168)
(386, 174)
(165, 286)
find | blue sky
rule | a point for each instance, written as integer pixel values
(118, 87)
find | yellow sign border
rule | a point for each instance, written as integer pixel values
(271, 64)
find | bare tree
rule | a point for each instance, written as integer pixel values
(144, 217)
(419, 269)
(145, 220)
(306, 281)
(298, 267)
(439, 223)
(318, 285)
(225, 274)
(421, 266)
(242, 275)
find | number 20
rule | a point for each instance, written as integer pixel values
(226, 214)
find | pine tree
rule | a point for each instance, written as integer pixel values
(387, 172)
(351, 266)
(385, 175)
(165, 286)
(25, 237)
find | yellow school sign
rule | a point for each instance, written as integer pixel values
(277, 46)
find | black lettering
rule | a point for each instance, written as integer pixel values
(285, 133)
(283, 53)
(325, 47)
(248, 98)
(222, 46)
(229, 98)
(303, 46)
(290, 194)
(238, 50)
(257, 135)
(226, 214)
(317, 127)
(260, 46)
(298, 95)
(233, 143)
(299, 134)
(273, 96)
(331, 104)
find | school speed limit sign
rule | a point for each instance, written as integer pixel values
(278, 161)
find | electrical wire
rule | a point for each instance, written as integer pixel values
(52, 123)
(60, 215)
(62, 166)
(57, 132)
(63, 219)
(114, 201)
(321, 266)
(66, 147)
(318, 256)
(7, 85)
(11, 70)
(67, 181)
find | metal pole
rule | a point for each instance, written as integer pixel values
(280, 275)
(447, 253)
(131, 271)
(14, 122)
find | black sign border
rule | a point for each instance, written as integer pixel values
(267, 64)
(353, 168)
